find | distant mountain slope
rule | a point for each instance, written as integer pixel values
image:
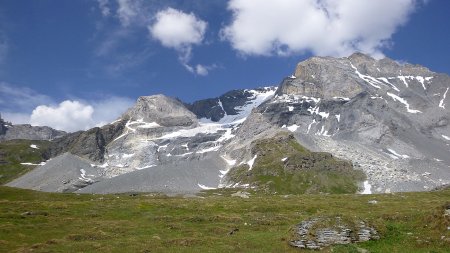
(390, 120)
(9, 131)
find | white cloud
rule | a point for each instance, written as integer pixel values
(109, 109)
(131, 12)
(180, 31)
(201, 70)
(322, 27)
(22, 105)
(176, 29)
(68, 115)
(74, 115)
(103, 5)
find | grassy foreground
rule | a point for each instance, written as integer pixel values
(48, 222)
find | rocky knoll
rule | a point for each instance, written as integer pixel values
(320, 232)
(280, 164)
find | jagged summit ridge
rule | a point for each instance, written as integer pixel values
(328, 78)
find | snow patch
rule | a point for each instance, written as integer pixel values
(284, 159)
(229, 161)
(185, 154)
(34, 146)
(293, 128)
(145, 167)
(290, 108)
(324, 114)
(403, 101)
(420, 79)
(251, 162)
(441, 103)
(342, 98)
(204, 187)
(162, 147)
(221, 106)
(404, 80)
(446, 137)
(367, 188)
(126, 156)
(369, 79)
(211, 149)
(309, 126)
(397, 154)
(338, 117)
(34, 164)
(386, 81)
(149, 125)
(85, 177)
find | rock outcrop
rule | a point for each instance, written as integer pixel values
(320, 232)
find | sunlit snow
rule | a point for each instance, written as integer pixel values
(441, 103)
(293, 128)
(403, 101)
(204, 187)
(367, 188)
(251, 162)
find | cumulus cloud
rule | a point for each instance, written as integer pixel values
(68, 116)
(322, 27)
(22, 105)
(74, 115)
(109, 109)
(180, 31)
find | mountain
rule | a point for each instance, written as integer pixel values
(9, 131)
(349, 124)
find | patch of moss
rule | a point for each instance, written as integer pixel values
(284, 166)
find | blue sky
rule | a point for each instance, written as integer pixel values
(86, 61)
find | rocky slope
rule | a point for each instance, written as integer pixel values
(9, 131)
(389, 119)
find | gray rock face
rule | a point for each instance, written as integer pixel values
(28, 132)
(318, 233)
(390, 119)
(162, 110)
(90, 144)
(188, 175)
(216, 108)
(65, 173)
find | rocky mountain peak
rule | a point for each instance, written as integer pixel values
(163, 110)
(329, 78)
